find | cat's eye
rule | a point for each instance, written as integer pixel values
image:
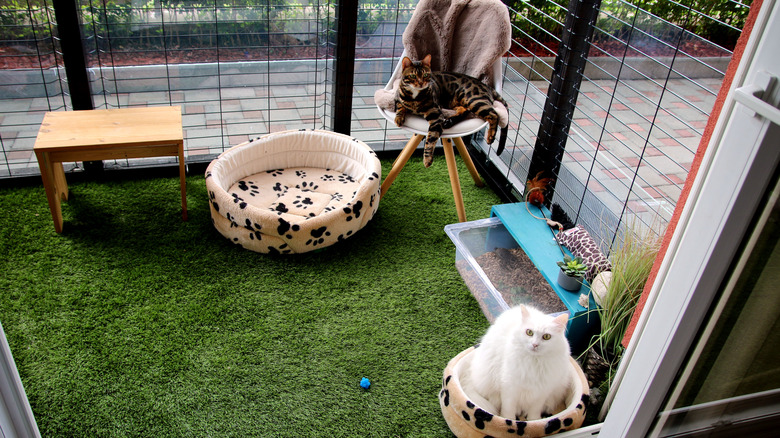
(412, 76)
(529, 332)
(426, 76)
(546, 336)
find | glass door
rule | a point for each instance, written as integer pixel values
(704, 361)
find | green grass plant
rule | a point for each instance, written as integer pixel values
(632, 260)
(133, 323)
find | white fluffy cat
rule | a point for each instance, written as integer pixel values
(521, 368)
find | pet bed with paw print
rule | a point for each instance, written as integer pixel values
(293, 191)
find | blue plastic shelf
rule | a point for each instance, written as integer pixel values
(536, 238)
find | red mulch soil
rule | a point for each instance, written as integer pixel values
(515, 277)
(17, 56)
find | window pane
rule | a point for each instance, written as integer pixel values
(739, 366)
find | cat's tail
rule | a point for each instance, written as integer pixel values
(505, 129)
(502, 140)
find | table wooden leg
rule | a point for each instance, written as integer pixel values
(400, 162)
(452, 168)
(183, 183)
(464, 153)
(53, 176)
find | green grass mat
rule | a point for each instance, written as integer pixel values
(134, 323)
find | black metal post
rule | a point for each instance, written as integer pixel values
(73, 55)
(344, 70)
(75, 60)
(564, 87)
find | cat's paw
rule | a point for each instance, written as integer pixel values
(491, 136)
(427, 161)
(399, 120)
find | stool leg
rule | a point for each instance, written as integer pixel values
(464, 153)
(400, 162)
(452, 168)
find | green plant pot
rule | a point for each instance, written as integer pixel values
(572, 284)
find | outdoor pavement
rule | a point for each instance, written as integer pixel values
(633, 142)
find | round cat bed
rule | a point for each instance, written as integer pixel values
(467, 420)
(293, 191)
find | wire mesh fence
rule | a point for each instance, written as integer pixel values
(242, 68)
(646, 94)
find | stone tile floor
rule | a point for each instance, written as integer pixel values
(633, 141)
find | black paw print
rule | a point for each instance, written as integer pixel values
(306, 185)
(212, 197)
(303, 202)
(354, 210)
(318, 236)
(285, 227)
(249, 186)
(346, 179)
(237, 200)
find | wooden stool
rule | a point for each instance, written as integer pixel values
(110, 134)
(452, 168)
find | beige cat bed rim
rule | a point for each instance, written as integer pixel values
(262, 229)
(467, 420)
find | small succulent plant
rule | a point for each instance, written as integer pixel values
(573, 267)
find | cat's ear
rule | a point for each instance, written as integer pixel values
(406, 62)
(427, 60)
(561, 320)
(524, 311)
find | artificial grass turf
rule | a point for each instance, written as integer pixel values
(134, 323)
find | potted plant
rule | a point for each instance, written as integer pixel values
(572, 273)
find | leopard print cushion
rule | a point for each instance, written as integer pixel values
(467, 420)
(579, 242)
(293, 191)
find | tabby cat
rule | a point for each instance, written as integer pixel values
(442, 98)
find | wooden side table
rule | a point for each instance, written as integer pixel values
(105, 135)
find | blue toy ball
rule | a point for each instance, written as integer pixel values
(365, 383)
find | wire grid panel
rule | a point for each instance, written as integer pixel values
(378, 48)
(238, 71)
(31, 83)
(642, 106)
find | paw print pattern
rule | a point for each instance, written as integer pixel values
(307, 185)
(275, 172)
(345, 179)
(249, 186)
(328, 178)
(303, 202)
(212, 198)
(300, 173)
(285, 228)
(318, 236)
(353, 211)
(241, 203)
